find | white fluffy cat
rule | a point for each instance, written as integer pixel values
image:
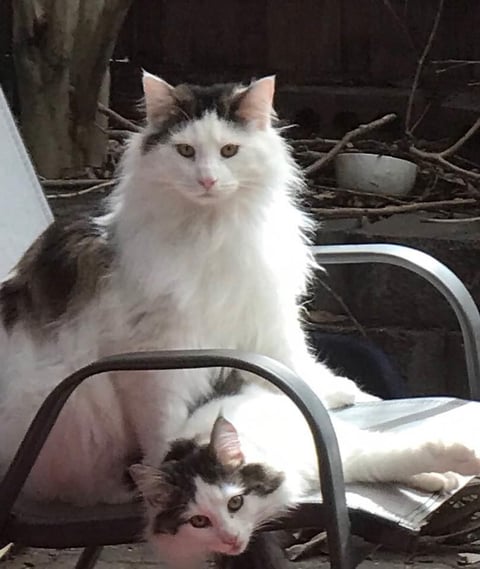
(242, 460)
(201, 246)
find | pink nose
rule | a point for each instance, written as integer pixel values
(207, 183)
(230, 540)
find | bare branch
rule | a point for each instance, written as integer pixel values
(401, 24)
(344, 306)
(313, 141)
(461, 141)
(421, 63)
(451, 64)
(451, 221)
(117, 134)
(421, 117)
(344, 212)
(122, 121)
(360, 193)
(455, 61)
(340, 145)
(94, 188)
(437, 157)
(79, 182)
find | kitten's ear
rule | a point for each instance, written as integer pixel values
(256, 103)
(225, 443)
(158, 96)
(150, 483)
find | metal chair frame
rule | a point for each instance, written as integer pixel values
(122, 525)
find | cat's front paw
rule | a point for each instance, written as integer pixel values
(455, 457)
(434, 481)
(345, 392)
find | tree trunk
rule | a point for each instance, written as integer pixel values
(62, 50)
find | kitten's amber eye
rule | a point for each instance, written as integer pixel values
(200, 521)
(185, 150)
(229, 150)
(235, 503)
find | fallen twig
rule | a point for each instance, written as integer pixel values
(5, 550)
(313, 141)
(438, 157)
(344, 306)
(118, 134)
(343, 212)
(451, 221)
(310, 154)
(462, 140)
(430, 187)
(468, 162)
(359, 193)
(454, 64)
(94, 188)
(418, 71)
(122, 121)
(359, 131)
(78, 182)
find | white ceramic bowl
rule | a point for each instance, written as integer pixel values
(375, 173)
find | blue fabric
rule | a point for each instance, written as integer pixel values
(361, 360)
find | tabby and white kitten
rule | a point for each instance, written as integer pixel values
(244, 459)
(201, 246)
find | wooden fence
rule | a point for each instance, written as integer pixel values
(346, 43)
(306, 42)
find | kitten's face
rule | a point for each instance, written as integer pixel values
(219, 518)
(208, 143)
(207, 500)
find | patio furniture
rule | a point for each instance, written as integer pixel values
(61, 525)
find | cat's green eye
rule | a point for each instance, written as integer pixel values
(235, 503)
(229, 150)
(200, 521)
(185, 150)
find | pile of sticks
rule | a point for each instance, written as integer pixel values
(448, 185)
(447, 182)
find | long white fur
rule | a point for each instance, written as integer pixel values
(192, 271)
(271, 431)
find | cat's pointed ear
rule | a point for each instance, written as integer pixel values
(150, 484)
(225, 443)
(158, 96)
(256, 103)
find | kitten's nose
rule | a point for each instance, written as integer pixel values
(207, 182)
(230, 540)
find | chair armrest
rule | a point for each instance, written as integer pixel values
(436, 273)
(330, 467)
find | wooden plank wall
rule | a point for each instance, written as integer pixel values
(306, 42)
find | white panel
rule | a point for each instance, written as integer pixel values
(24, 211)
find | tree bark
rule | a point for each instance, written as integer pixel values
(62, 51)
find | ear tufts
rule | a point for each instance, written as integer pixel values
(150, 483)
(225, 443)
(158, 95)
(256, 105)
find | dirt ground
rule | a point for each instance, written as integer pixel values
(140, 557)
